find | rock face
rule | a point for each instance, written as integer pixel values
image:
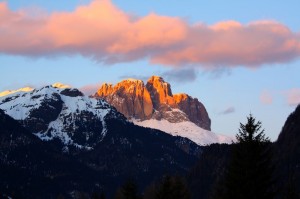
(154, 101)
(130, 97)
(161, 92)
(193, 109)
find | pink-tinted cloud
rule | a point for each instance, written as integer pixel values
(266, 98)
(105, 33)
(235, 44)
(293, 96)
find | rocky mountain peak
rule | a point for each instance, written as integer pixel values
(160, 90)
(105, 89)
(154, 100)
(131, 86)
(129, 96)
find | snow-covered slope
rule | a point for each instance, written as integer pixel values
(185, 129)
(59, 112)
(8, 92)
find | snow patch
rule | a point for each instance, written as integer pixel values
(185, 129)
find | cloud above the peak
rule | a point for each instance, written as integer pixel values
(105, 33)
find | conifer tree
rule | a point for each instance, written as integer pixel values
(290, 191)
(96, 195)
(128, 191)
(250, 172)
(102, 196)
(172, 187)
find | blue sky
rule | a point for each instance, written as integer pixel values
(229, 89)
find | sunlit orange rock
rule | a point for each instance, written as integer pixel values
(160, 90)
(129, 97)
(106, 89)
(194, 109)
(154, 101)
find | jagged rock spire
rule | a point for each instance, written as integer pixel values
(154, 100)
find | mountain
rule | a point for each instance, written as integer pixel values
(54, 140)
(153, 101)
(289, 137)
(59, 112)
(153, 105)
(288, 152)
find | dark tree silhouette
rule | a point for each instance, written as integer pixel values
(102, 196)
(170, 187)
(290, 191)
(250, 171)
(96, 195)
(128, 191)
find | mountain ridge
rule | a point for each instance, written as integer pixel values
(154, 100)
(52, 111)
(78, 156)
(61, 103)
(153, 105)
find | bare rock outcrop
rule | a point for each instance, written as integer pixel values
(160, 91)
(129, 97)
(194, 109)
(154, 101)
